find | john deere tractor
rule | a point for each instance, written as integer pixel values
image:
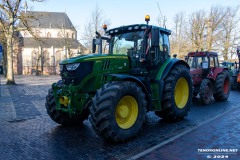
(118, 88)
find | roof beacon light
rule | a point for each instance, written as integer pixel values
(147, 18)
(105, 27)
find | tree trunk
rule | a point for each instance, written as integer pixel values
(10, 74)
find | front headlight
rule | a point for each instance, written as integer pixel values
(61, 67)
(72, 67)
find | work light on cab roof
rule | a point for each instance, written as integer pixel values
(105, 27)
(147, 18)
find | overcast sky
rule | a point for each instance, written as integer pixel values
(124, 12)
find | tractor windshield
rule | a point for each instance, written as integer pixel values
(196, 62)
(126, 42)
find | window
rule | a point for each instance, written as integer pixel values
(127, 43)
(59, 35)
(161, 42)
(46, 58)
(26, 34)
(166, 47)
(37, 33)
(216, 62)
(35, 58)
(57, 58)
(212, 62)
(49, 35)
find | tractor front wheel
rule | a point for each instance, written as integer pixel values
(61, 117)
(206, 91)
(222, 86)
(118, 110)
(177, 94)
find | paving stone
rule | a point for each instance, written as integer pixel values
(31, 134)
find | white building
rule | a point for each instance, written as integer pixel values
(52, 38)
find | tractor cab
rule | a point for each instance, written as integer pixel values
(202, 64)
(146, 46)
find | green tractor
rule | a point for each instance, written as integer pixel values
(235, 77)
(118, 88)
(232, 67)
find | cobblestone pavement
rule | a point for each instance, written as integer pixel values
(28, 133)
(218, 139)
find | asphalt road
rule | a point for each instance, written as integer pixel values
(28, 133)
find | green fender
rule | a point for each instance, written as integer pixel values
(159, 80)
(140, 81)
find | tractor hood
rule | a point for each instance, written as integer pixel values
(93, 57)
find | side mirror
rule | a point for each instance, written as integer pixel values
(205, 65)
(93, 45)
(155, 37)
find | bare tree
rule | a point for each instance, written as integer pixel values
(94, 24)
(197, 24)
(161, 20)
(67, 41)
(213, 21)
(10, 14)
(179, 40)
(230, 32)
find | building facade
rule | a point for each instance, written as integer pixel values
(46, 38)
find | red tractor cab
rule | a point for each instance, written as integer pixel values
(209, 79)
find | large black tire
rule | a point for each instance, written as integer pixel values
(118, 110)
(177, 94)
(61, 117)
(234, 83)
(206, 91)
(222, 86)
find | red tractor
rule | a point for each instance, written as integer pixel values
(209, 79)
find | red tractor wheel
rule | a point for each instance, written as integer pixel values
(206, 91)
(222, 86)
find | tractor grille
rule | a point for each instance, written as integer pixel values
(76, 76)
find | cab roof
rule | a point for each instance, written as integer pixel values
(202, 54)
(134, 27)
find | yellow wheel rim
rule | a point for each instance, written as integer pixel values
(126, 112)
(181, 93)
(64, 100)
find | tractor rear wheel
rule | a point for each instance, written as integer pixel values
(118, 110)
(206, 91)
(222, 86)
(61, 117)
(177, 94)
(234, 83)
